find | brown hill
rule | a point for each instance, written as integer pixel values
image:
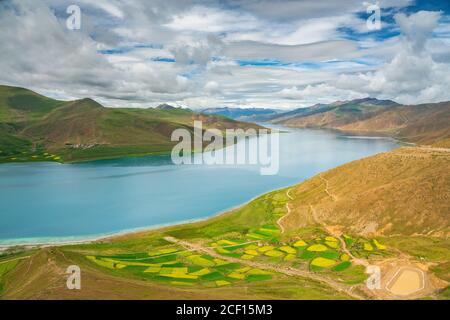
(405, 192)
(421, 124)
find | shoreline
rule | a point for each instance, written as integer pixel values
(161, 153)
(360, 134)
(64, 241)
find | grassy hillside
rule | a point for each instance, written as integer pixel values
(404, 191)
(342, 111)
(421, 124)
(36, 128)
(22, 105)
(310, 241)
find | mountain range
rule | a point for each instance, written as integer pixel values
(420, 124)
(244, 114)
(35, 127)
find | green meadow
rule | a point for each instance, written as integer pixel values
(249, 234)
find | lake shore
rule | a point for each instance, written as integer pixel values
(34, 242)
(65, 241)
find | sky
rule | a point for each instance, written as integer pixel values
(228, 53)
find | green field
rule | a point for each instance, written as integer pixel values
(175, 266)
(154, 259)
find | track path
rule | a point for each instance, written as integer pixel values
(279, 221)
(20, 258)
(332, 232)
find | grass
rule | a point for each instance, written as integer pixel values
(428, 248)
(274, 253)
(200, 261)
(251, 252)
(5, 267)
(266, 248)
(317, 248)
(287, 249)
(171, 265)
(330, 254)
(378, 245)
(348, 274)
(300, 243)
(323, 262)
(162, 251)
(332, 244)
(342, 266)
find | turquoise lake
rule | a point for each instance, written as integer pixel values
(46, 202)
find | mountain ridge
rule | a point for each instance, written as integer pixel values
(243, 114)
(422, 124)
(37, 128)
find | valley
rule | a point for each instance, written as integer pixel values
(319, 239)
(264, 250)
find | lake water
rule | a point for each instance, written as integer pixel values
(46, 202)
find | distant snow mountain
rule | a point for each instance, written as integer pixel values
(243, 114)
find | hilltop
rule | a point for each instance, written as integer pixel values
(421, 124)
(35, 127)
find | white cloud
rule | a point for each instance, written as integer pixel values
(321, 93)
(294, 10)
(412, 76)
(318, 51)
(208, 19)
(206, 40)
(40, 53)
(199, 51)
(107, 5)
(212, 87)
(417, 27)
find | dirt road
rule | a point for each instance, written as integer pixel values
(279, 221)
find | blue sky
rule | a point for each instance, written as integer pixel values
(237, 53)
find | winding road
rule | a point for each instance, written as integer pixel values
(288, 212)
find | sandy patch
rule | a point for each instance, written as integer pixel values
(406, 281)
